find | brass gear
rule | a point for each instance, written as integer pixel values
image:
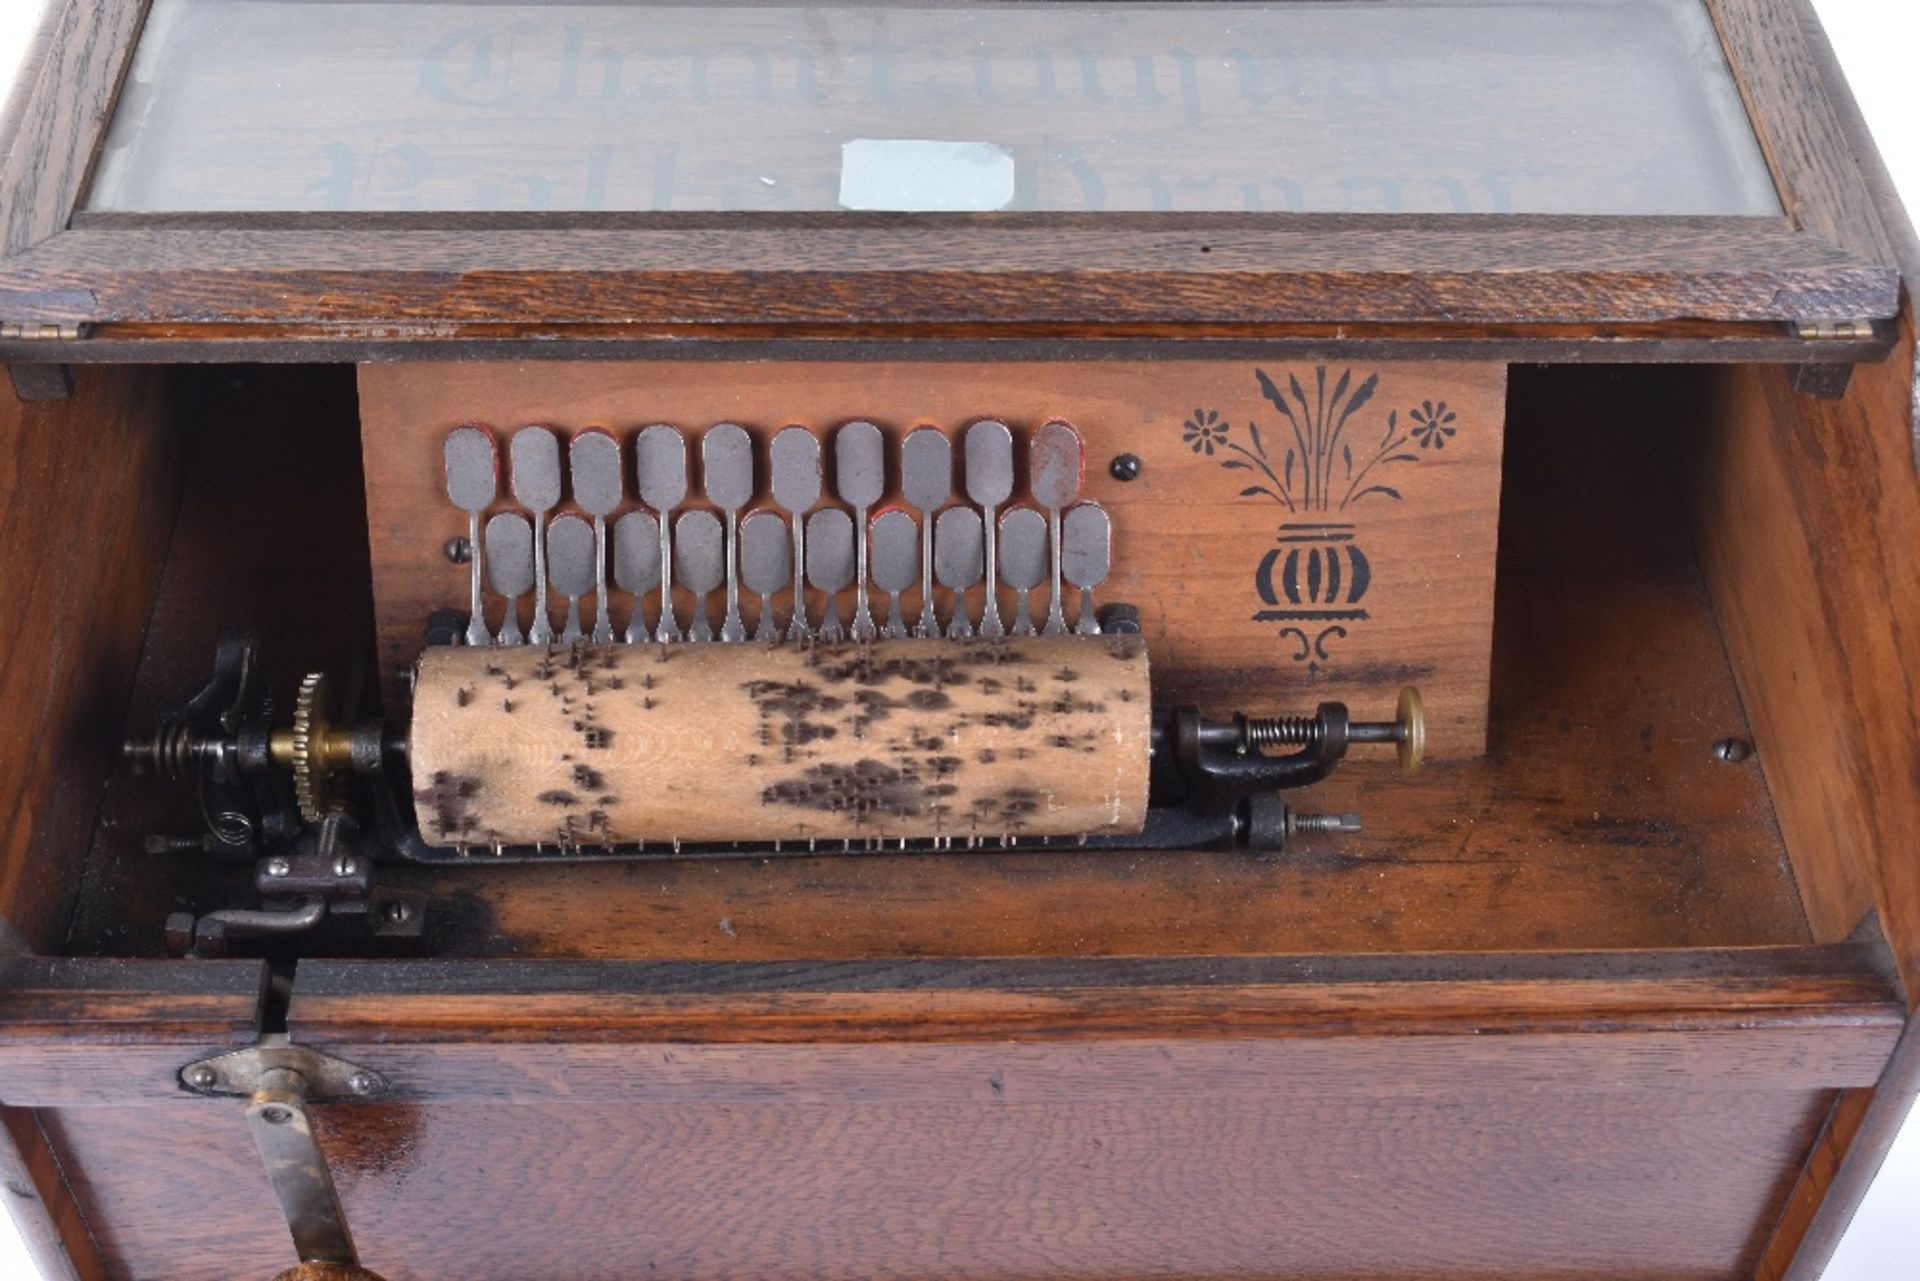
(312, 782)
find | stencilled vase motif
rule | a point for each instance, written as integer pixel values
(1315, 578)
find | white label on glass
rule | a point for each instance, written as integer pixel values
(916, 175)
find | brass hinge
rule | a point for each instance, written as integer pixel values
(1833, 330)
(41, 331)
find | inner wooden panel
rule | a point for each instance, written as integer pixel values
(89, 489)
(1600, 817)
(1297, 530)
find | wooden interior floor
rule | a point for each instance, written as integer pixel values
(1600, 818)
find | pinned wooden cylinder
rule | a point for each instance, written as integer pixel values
(617, 744)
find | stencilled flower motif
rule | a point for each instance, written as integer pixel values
(1433, 424)
(1204, 431)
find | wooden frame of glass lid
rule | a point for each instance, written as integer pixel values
(87, 248)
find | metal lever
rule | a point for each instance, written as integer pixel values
(795, 455)
(660, 475)
(473, 482)
(926, 482)
(297, 1169)
(598, 486)
(1056, 468)
(860, 462)
(278, 1079)
(726, 465)
(989, 447)
(535, 478)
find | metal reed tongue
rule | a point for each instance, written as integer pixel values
(636, 567)
(660, 468)
(830, 563)
(510, 569)
(593, 459)
(535, 477)
(1086, 556)
(570, 547)
(763, 565)
(795, 454)
(726, 469)
(1023, 560)
(926, 482)
(990, 483)
(896, 557)
(860, 473)
(1056, 467)
(700, 564)
(473, 482)
(957, 561)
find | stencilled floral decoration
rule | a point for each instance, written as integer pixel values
(1204, 431)
(1432, 424)
(1320, 470)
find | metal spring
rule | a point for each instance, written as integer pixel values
(1283, 731)
(169, 754)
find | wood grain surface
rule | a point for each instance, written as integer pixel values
(1674, 1183)
(1191, 535)
(89, 489)
(1679, 341)
(1808, 515)
(1456, 269)
(1864, 1123)
(89, 1028)
(53, 1231)
(57, 112)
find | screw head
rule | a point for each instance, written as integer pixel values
(278, 867)
(276, 1115)
(458, 550)
(362, 1083)
(346, 865)
(398, 912)
(203, 1078)
(1124, 466)
(1732, 750)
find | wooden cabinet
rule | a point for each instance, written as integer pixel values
(1618, 985)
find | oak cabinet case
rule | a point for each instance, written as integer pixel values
(994, 638)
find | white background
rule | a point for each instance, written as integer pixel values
(1875, 42)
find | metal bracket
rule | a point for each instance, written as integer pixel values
(240, 1074)
(278, 1080)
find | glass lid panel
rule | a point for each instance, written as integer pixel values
(1616, 107)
